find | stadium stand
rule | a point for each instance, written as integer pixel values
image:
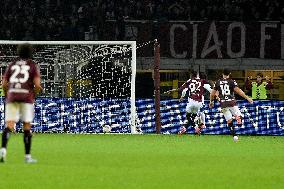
(70, 19)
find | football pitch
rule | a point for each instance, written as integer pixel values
(145, 161)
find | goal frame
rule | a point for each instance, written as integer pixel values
(133, 64)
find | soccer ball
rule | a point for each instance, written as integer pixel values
(106, 129)
(236, 138)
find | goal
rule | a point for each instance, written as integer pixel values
(88, 85)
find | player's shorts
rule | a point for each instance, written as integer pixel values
(15, 111)
(229, 112)
(193, 106)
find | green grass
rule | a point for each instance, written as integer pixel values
(145, 161)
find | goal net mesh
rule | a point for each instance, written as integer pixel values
(87, 87)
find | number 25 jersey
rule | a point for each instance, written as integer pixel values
(20, 75)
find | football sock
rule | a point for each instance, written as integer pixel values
(27, 141)
(5, 137)
(232, 128)
(190, 118)
(193, 116)
(202, 117)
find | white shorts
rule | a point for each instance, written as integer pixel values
(229, 112)
(193, 106)
(15, 111)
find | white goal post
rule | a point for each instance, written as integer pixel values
(131, 44)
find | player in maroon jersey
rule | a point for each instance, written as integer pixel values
(226, 88)
(195, 88)
(21, 83)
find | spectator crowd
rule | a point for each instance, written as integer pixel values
(70, 19)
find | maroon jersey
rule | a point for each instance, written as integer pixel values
(20, 75)
(226, 92)
(195, 87)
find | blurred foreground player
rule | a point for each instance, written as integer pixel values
(226, 88)
(21, 83)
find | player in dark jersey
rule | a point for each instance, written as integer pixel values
(226, 88)
(195, 88)
(21, 83)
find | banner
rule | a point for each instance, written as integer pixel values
(91, 115)
(203, 40)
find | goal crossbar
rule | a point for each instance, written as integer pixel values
(11, 42)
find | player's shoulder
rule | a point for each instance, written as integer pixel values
(233, 81)
(30, 61)
(205, 81)
(219, 81)
(197, 79)
(19, 61)
(12, 63)
(189, 81)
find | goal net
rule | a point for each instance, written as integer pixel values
(89, 86)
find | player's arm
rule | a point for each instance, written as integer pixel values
(170, 91)
(242, 94)
(183, 94)
(212, 97)
(183, 86)
(37, 81)
(207, 86)
(38, 88)
(6, 77)
(217, 96)
(5, 86)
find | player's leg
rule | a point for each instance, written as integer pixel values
(28, 142)
(11, 117)
(201, 122)
(231, 126)
(184, 127)
(193, 109)
(229, 118)
(5, 137)
(189, 117)
(201, 118)
(27, 116)
(237, 113)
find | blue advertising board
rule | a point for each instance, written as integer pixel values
(91, 115)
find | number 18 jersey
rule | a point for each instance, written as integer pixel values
(226, 92)
(20, 75)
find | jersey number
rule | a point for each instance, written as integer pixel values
(194, 87)
(225, 89)
(17, 70)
